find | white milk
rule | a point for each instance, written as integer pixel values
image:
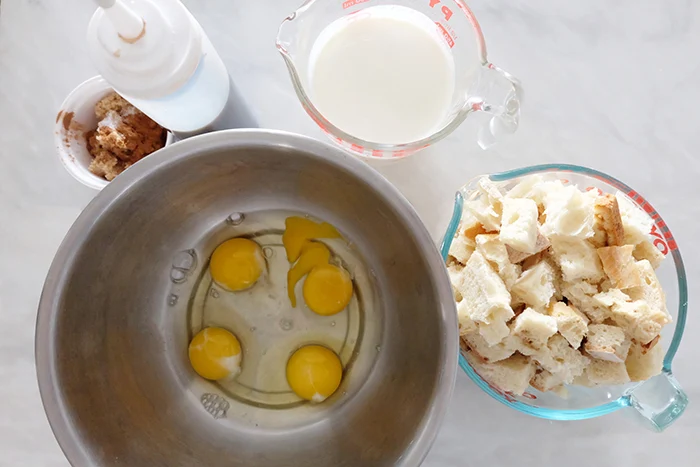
(383, 75)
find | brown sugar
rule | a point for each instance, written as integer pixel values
(67, 119)
(124, 135)
(111, 103)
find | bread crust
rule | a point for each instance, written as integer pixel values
(607, 212)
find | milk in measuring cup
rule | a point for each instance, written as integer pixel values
(383, 75)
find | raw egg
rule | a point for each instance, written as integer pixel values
(314, 372)
(298, 230)
(215, 354)
(312, 254)
(237, 264)
(327, 289)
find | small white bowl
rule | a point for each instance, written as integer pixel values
(74, 120)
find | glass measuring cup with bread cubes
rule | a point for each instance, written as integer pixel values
(568, 307)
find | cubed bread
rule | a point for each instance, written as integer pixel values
(533, 260)
(606, 301)
(605, 285)
(545, 381)
(611, 297)
(460, 249)
(487, 206)
(492, 191)
(487, 214)
(519, 224)
(495, 331)
(541, 244)
(571, 323)
(466, 324)
(569, 213)
(607, 342)
(642, 364)
(527, 187)
(463, 346)
(468, 222)
(649, 345)
(582, 380)
(640, 321)
(487, 301)
(641, 311)
(470, 227)
(559, 358)
(576, 258)
(582, 294)
(637, 223)
(620, 266)
(647, 251)
(544, 189)
(511, 375)
(535, 287)
(533, 328)
(609, 220)
(603, 372)
(579, 269)
(493, 249)
(558, 280)
(599, 238)
(454, 271)
(650, 289)
(486, 352)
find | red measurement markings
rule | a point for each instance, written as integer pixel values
(506, 395)
(317, 120)
(377, 153)
(659, 241)
(446, 12)
(596, 189)
(350, 3)
(448, 38)
(662, 238)
(465, 9)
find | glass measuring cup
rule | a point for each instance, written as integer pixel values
(659, 400)
(480, 86)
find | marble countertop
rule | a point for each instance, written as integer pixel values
(611, 85)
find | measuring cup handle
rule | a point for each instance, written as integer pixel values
(498, 93)
(659, 400)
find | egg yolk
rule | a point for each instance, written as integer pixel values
(299, 229)
(215, 354)
(237, 264)
(314, 372)
(312, 254)
(327, 289)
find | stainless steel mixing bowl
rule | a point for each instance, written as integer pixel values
(111, 337)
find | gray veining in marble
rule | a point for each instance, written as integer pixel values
(610, 84)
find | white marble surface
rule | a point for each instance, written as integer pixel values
(612, 85)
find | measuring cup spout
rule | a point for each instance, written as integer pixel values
(499, 94)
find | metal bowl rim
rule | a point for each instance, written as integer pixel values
(197, 146)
